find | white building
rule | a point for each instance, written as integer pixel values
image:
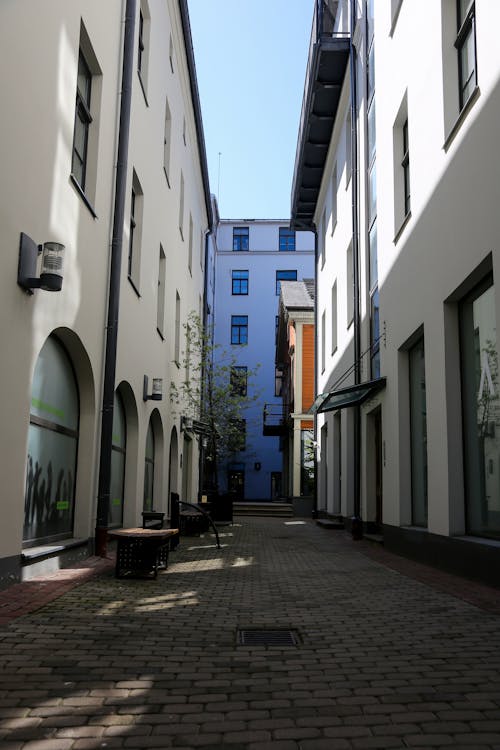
(252, 257)
(406, 281)
(102, 150)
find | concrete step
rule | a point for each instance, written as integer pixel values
(276, 510)
(330, 523)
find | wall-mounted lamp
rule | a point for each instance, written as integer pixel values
(51, 276)
(186, 424)
(156, 392)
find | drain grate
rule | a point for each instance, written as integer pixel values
(255, 637)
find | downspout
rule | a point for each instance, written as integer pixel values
(103, 498)
(195, 99)
(315, 433)
(356, 521)
(201, 453)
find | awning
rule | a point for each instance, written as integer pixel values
(352, 395)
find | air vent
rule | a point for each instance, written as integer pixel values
(254, 637)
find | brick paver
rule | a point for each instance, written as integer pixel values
(391, 653)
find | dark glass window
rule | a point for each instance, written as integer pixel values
(418, 432)
(239, 378)
(481, 410)
(284, 276)
(465, 44)
(52, 447)
(240, 238)
(133, 224)
(240, 282)
(149, 469)
(239, 329)
(118, 460)
(287, 239)
(83, 120)
(375, 334)
(141, 43)
(372, 238)
(405, 163)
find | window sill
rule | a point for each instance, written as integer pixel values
(143, 88)
(82, 195)
(461, 117)
(34, 554)
(402, 227)
(132, 284)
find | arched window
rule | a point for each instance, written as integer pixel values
(52, 448)
(149, 469)
(118, 455)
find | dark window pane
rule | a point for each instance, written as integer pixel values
(481, 411)
(240, 238)
(284, 276)
(418, 429)
(286, 239)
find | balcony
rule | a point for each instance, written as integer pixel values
(275, 421)
(329, 51)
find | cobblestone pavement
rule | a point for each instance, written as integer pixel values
(388, 656)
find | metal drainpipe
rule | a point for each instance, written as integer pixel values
(356, 521)
(103, 497)
(203, 322)
(315, 433)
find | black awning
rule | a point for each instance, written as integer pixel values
(352, 395)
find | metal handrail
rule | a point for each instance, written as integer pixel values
(197, 507)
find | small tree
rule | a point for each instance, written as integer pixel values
(215, 394)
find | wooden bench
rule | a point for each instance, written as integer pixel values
(141, 552)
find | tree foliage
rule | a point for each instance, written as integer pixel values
(215, 392)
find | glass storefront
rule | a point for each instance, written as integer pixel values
(52, 448)
(306, 462)
(118, 455)
(481, 411)
(149, 466)
(418, 430)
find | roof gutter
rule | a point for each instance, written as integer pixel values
(195, 97)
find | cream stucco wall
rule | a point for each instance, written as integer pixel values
(38, 197)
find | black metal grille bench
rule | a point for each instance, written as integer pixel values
(140, 552)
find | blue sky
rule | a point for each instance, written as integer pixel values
(251, 58)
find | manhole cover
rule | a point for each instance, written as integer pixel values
(254, 637)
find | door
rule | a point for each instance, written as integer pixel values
(276, 490)
(236, 483)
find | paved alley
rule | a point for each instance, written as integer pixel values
(378, 652)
